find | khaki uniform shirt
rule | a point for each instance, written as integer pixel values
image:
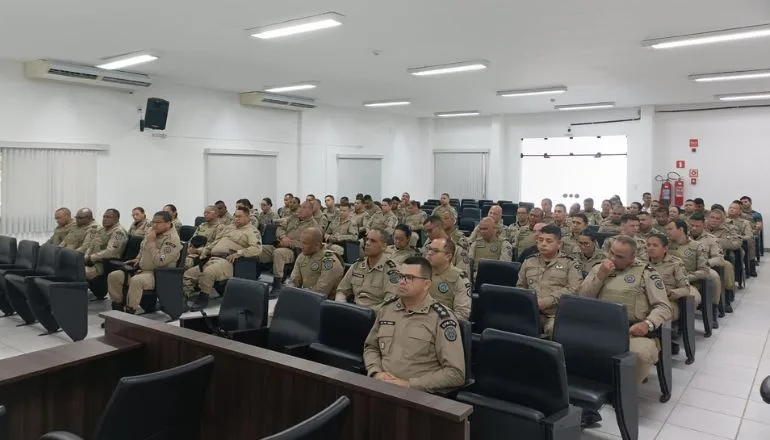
(143, 228)
(513, 230)
(441, 208)
(641, 247)
(715, 256)
(267, 218)
(400, 255)
(452, 289)
(639, 287)
(500, 231)
(226, 219)
(165, 252)
(608, 226)
(105, 244)
(340, 230)
(77, 237)
(286, 213)
(60, 233)
(379, 220)
(320, 272)
(370, 286)
(694, 257)
(254, 219)
(569, 245)
(661, 229)
(594, 217)
(415, 221)
(328, 217)
(358, 219)
(548, 218)
(497, 249)
(588, 263)
(203, 230)
(566, 227)
(176, 224)
(422, 346)
(524, 239)
(228, 239)
(674, 275)
(550, 279)
(726, 238)
(461, 259)
(293, 229)
(646, 235)
(459, 239)
(740, 227)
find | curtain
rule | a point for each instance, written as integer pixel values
(461, 174)
(359, 175)
(36, 182)
(230, 177)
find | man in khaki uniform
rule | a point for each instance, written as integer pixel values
(175, 222)
(341, 227)
(369, 206)
(225, 217)
(589, 254)
(594, 216)
(288, 239)
(266, 214)
(488, 245)
(550, 274)
(140, 226)
(290, 207)
(629, 225)
(569, 243)
(672, 272)
(448, 285)
(435, 360)
(496, 214)
(547, 205)
(228, 243)
(444, 206)
(741, 227)
(661, 220)
(373, 278)
(160, 248)
(330, 213)
(64, 225)
(253, 215)
(434, 228)
(612, 224)
(414, 218)
(449, 223)
(204, 230)
(560, 219)
(357, 216)
(84, 224)
(522, 221)
(726, 241)
(105, 243)
(383, 219)
(645, 225)
(623, 278)
(318, 215)
(401, 249)
(524, 238)
(316, 269)
(689, 209)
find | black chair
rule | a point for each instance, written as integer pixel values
(706, 306)
(501, 273)
(469, 202)
(15, 280)
(244, 309)
(98, 285)
(686, 326)
(186, 232)
(296, 322)
(326, 425)
(199, 221)
(527, 399)
(485, 202)
(664, 366)
(485, 210)
(509, 309)
(471, 213)
(467, 225)
(432, 202)
(163, 405)
(500, 202)
(8, 251)
(508, 220)
(764, 390)
(601, 236)
(428, 210)
(343, 330)
(351, 252)
(600, 367)
(3, 424)
(509, 209)
(168, 290)
(247, 268)
(61, 300)
(26, 259)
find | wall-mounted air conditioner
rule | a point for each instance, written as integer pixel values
(85, 75)
(262, 99)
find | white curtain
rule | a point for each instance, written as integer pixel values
(36, 182)
(233, 175)
(462, 174)
(359, 175)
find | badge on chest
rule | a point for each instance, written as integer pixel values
(443, 287)
(314, 266)
(630, 279)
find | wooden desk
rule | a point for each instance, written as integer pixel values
(256, 392)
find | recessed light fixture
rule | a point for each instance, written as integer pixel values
(721, 36)
(589, 106)
(458, 114)
(388, 103)
(298, 26)
(122, 61)
(532, 92)
(731, 76)
(465, 66)
(755, 96)
(307, 85)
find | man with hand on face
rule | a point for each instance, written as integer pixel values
(550, 274)
(589, 254)
(449, 285)
(316, 269)
(524, 237)
(372, 279)
(392, 354)
(488, 245)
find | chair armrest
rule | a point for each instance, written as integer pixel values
(297, 350)
(626, 394)
(60, 435)
(452, 393)
(260, 336)
(197, 323)
(564, 421)
(251, 336)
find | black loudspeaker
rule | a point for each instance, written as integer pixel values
(156, 113)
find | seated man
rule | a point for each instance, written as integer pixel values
(672, 272)
(645, 225)
(288, 241)
(716, 242)
(140, 226)
(372, 279)
(594, 217)
(105, 243)
(400, 250)
(662, 219)
(522, 221)
(444, 206)
(224, 216)
(496, 214)
(253, 215)
(589, 254)
(448, 285)
(414, 218)
(523, 237)
(341, 227)
(434, 228)
(550, 274)
(84, 224)
(560, 219)
(612, 224)
(329, 213)
(433, 362)
(316, 269)
(202, 235)
(64, 225)
(629, 225)
(160, 248)
(383, 219)
(569, 243)
(228, 243)
(488, 245)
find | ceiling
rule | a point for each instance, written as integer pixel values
(591, 46)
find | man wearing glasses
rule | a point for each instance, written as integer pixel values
(449, 285)
(415, 341)
(589, 254)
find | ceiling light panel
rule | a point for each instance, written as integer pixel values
(731, 76)
(465, 66)
(457, 114)
(589, 106)
(532, 92)
(387, 103)
(123, 61)
(721, 36)
(755, 96)
(298, 26)
(307, 85)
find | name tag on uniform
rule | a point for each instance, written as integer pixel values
(387, 322)
(358, 275)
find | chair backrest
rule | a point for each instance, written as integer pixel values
(521, 369)
(47, 259)
(7, 249)
(296, 318)
(71, 266)
(182, 255)
(352, 251)
(602, 236)
(485, 202)
(133, 246)
(244, 305)
(326, 425)
(591, 331)
(508, 219)
(186, 232)
(485, 210)
(198, 221)
(3, 424)
(501, 273)
(471, 213)
(500, 202)
(164, 405)
(26, 257)
(269, 234)
(466, 333)
(345, 326)
(467, 224)
(508, 208)
(508, 309)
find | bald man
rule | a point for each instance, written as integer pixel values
(316, 268)
(64, 225)
(496, 214)
(84, 225)
(488, 245)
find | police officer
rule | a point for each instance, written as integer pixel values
(84, 224)
(341, 227)
(290, 206)
(741, 227)
(316, 269)
(288, 240)
(449, 285)
(160, 248)
(104, 243)
(629, 225)
(449, 223)
(435, 360)
(560, 219)
(400, 250)
(224, 217)
(594, 216)
(647, 205)
(524, 237)
(606, 210)
(662, 219)
(589, 254)
(175, 222)
(496, 214)
(266, 214)
(550, 274)
(330, 212)
(357, 216)
(569, 243)
(717, 241)
(383, 219)
(547, 205)
(672, 271)
(623, 278)
(488, 245)
(612, 224)
(253, 216)
(434, 227)
(645, 225)
(444, 206)
(64, 225)
(140, 226)
(371, 279)
(414, 218)
(202, 235)
(522, 221)
(229, 242)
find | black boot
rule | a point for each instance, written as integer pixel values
(200, 302)
(674, 349)
(728, 307)
(720, 309)
(589, 418)
(715, 324)
(730, 294)
(277, 284)
(753, 268)
(117, 306)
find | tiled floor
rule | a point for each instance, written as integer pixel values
(715, 398)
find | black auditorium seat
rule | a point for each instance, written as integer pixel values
(26, 259)
(98, 285)
(168, 290)
(186, 232)
(327, 424)
(15, 280)
(343, 330)
(296, 322)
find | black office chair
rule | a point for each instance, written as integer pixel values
(501, 273)
(26, 259)
(467, 226)
(296, 322)
(8, 251)
(269, 234)
(326, 425)
(3, 424)
(485, 210)
(351, 252)
(508, 309)
(247, 268)
(528, 205)
(199, 221)
(706, 306)
(500, 202)
(526, 399)
(98, 285)
(168, 290)
(156, 406)
(600, 368)
(685, 326)
(471, 213)
(509, 209)
(508, 220)
(428, 210)
(485, 202)
(343, 330)
(601, 236)
(16, 285)
(186, 232)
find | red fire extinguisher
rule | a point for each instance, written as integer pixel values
(665, 193)
(679, 192)
(666, 197)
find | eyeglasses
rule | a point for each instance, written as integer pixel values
(409, 279)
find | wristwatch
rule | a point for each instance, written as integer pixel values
(650, 325)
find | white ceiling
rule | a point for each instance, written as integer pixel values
(591, 46)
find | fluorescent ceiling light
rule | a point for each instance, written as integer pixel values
(465, 66)
(298, 26)
(122, 61)
(756, 96)
(731, 76)
(458, 114)
(590, 106)
(390, 103)
(709, 37)
(307, 85)
(532, 92)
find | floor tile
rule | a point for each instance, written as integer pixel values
(648, 429)
(722, 385)
(754, 431)
(673, 432)
(705, 421)
(757, 412)
(720, 403)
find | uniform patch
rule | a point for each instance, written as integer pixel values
(448, 323)
(441, 310)
(394, 277)
(443, 287)
(493, 248)
(314, 266)
(559, 266)
(688, 252)
(466, 259)
(387, 322)
(450, 333)
(629, 279)
(659, 285)
(328, 264)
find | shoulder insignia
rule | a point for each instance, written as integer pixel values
(659, 284)
(328, 263)
(390, 300)
(391, 264)
(441, 310)
(387, 322)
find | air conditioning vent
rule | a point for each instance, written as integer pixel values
(128, 82)
(261, 99)
(72, 74)
(85, 75)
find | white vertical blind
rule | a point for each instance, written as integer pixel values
(462, 174)
(236, 174)
(359, 175)
(37, 181)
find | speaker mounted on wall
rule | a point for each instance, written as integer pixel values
(155, 114)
